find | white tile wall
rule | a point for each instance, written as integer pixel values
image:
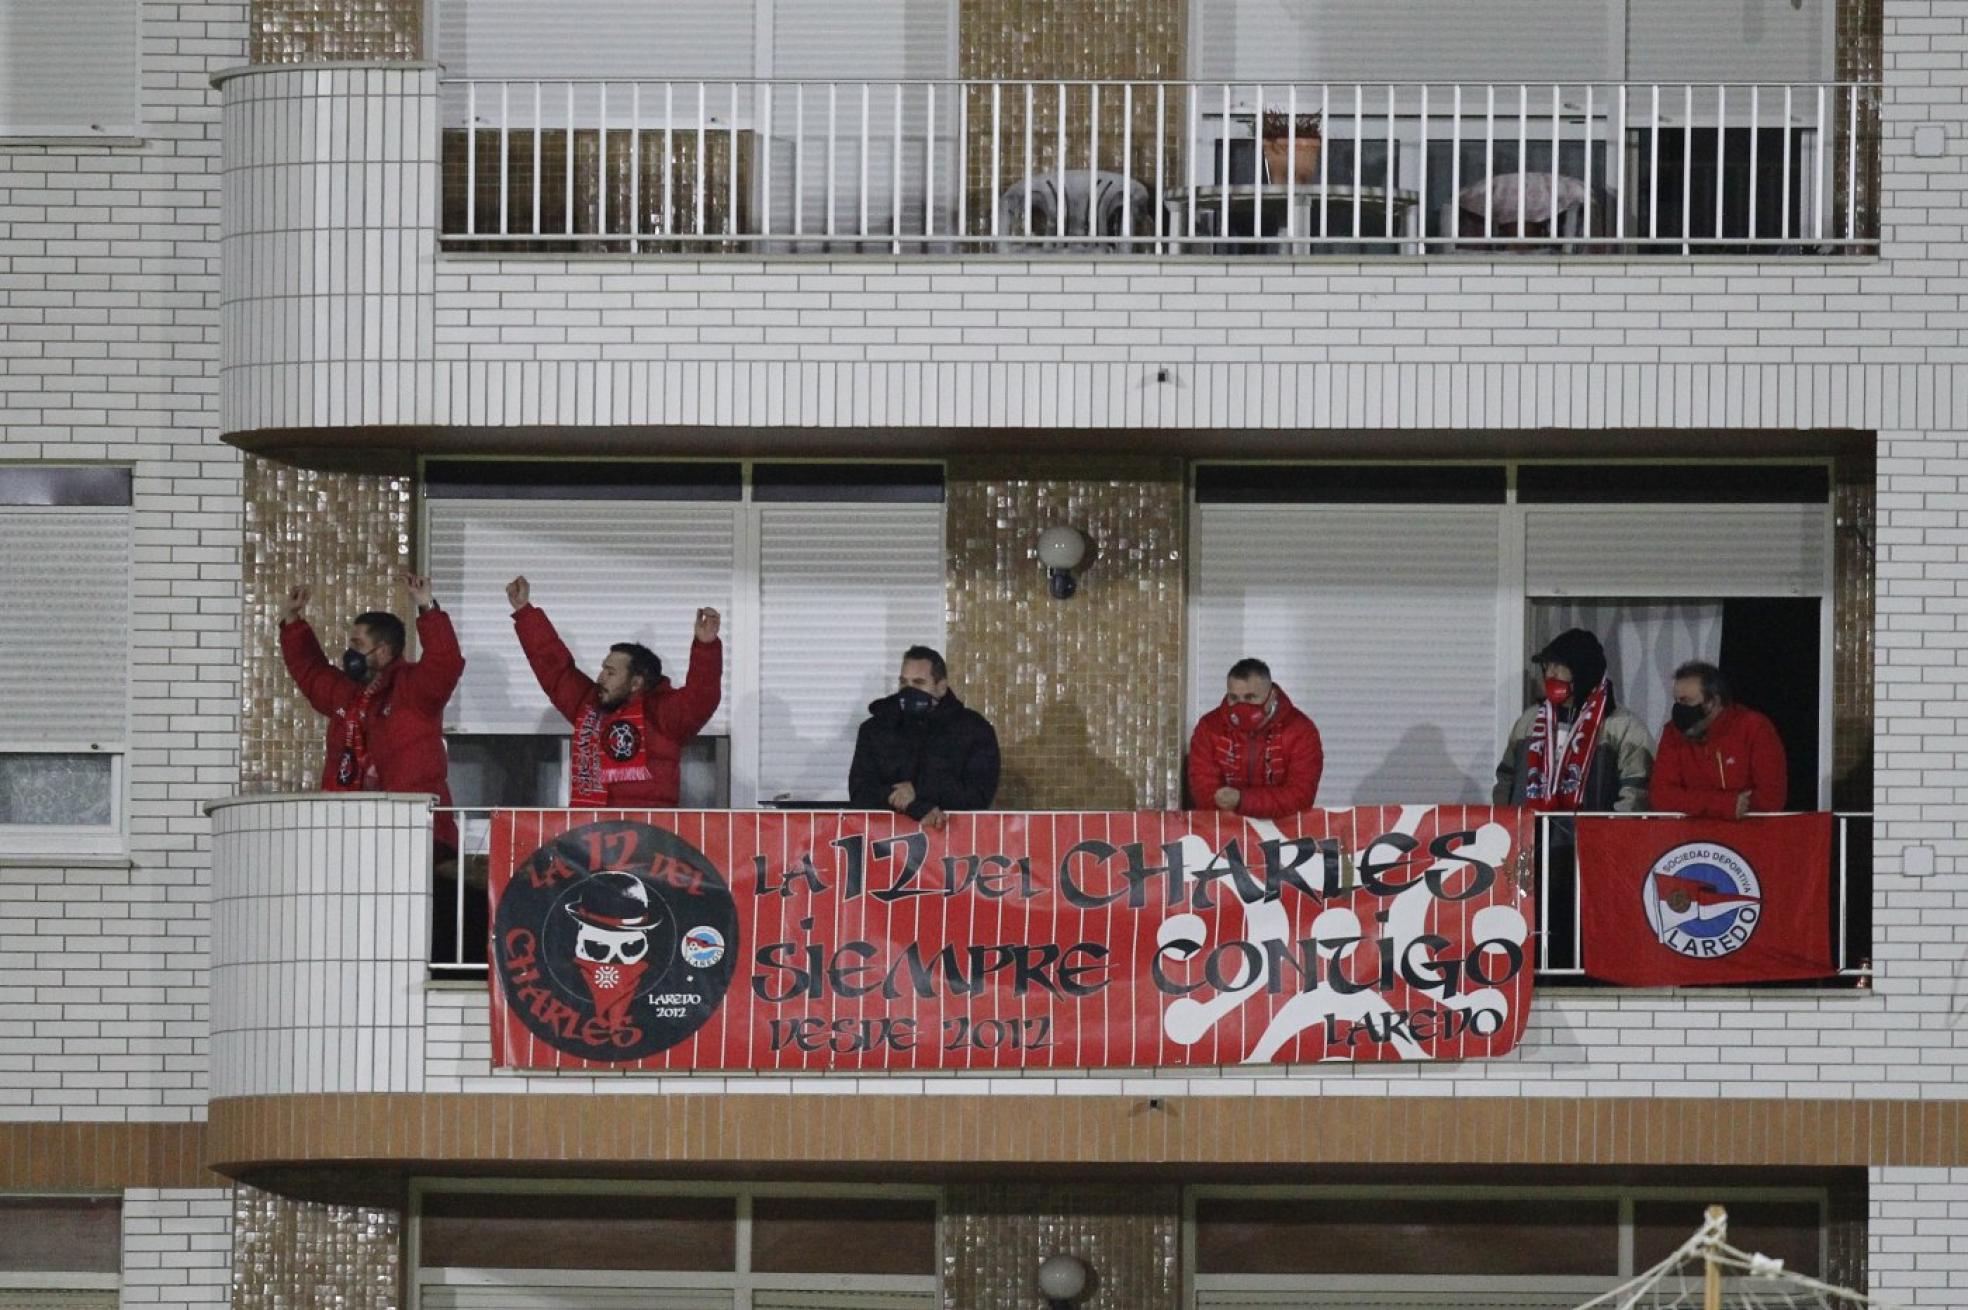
(330, 223)
(109, 350)
(109, 343)
(320, 934)
(177, 1247)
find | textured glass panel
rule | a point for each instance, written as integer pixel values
(1791, 1231)
(71, 790)
(836, 1235)
(64, 1234)
(1311, 1235)
(495, 1230)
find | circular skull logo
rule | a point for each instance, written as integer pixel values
(623, 741)
(598, 941)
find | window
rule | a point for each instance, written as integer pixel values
(785, 1248)
(60, 1252)
(824, 574)
(1398, 604)
(64, 658)
(69, 68)
(1541, 1247)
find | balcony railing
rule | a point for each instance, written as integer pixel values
(1160, 168)
(459, 919)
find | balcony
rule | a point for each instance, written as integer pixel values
(324, 910)
(1160, 169)
(458, 917)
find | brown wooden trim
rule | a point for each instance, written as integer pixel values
(106, 1157)
(479, 1131)
(393, 449)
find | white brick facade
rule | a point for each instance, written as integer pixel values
(177, 1247)
(110, 311)
(109, 292)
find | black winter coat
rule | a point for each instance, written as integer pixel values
(949, 753)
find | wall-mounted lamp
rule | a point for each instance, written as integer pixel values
(1061, 549)
(1061, 1280)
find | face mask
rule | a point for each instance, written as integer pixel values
(1687, 717)
(355, 664)
(1245, 717)
(1557, 692)
(914, 700)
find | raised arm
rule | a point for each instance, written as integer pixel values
(682, 712)
(566, 686)
(326, 687)
(439, 662)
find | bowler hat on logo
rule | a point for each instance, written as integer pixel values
(614, 900)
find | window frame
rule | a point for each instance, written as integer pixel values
(743, 631)
(63, 1280)
(739, 1280)
(1196, 1283)
(124, 128)
(78, 489)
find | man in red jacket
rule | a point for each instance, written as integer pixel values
(1717, 759)
(630, 724)
(385, 712)
(1256, 754)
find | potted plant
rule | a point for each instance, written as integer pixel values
(1291, 150)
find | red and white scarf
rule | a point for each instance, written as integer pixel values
(1555, 780)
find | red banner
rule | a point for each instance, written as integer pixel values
(797, 941)
(1676, 902)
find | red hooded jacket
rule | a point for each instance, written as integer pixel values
(401, 712)
(674, 714)
(1276, 766)
(1740, 752)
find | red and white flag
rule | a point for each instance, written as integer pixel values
(1669, 902)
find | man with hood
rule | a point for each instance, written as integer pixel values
(1575, 749)
(385, 712)
(630, 724)
(921, 752)
(1256, 754)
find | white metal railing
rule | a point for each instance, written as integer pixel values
(944, 167)
(460, 914)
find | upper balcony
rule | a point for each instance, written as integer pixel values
(940, 168)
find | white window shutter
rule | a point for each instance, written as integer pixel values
(1380, 623)
(842, 592)
(622, 39)
(1747, 40)
(68, 68)
(603, 570)
(65, 644)
(853, 40)
(1417, 40)
(1676, 551)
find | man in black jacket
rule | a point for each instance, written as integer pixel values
(921, 753)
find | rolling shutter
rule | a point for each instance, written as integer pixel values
(625, 39)
(604, 571)
(1380, 623)
(853, 40)
(1677, 551)
(68, 68)
(1730, 41)
(842, 592)
(849, 42)
(65, 649)
(1419, 40)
